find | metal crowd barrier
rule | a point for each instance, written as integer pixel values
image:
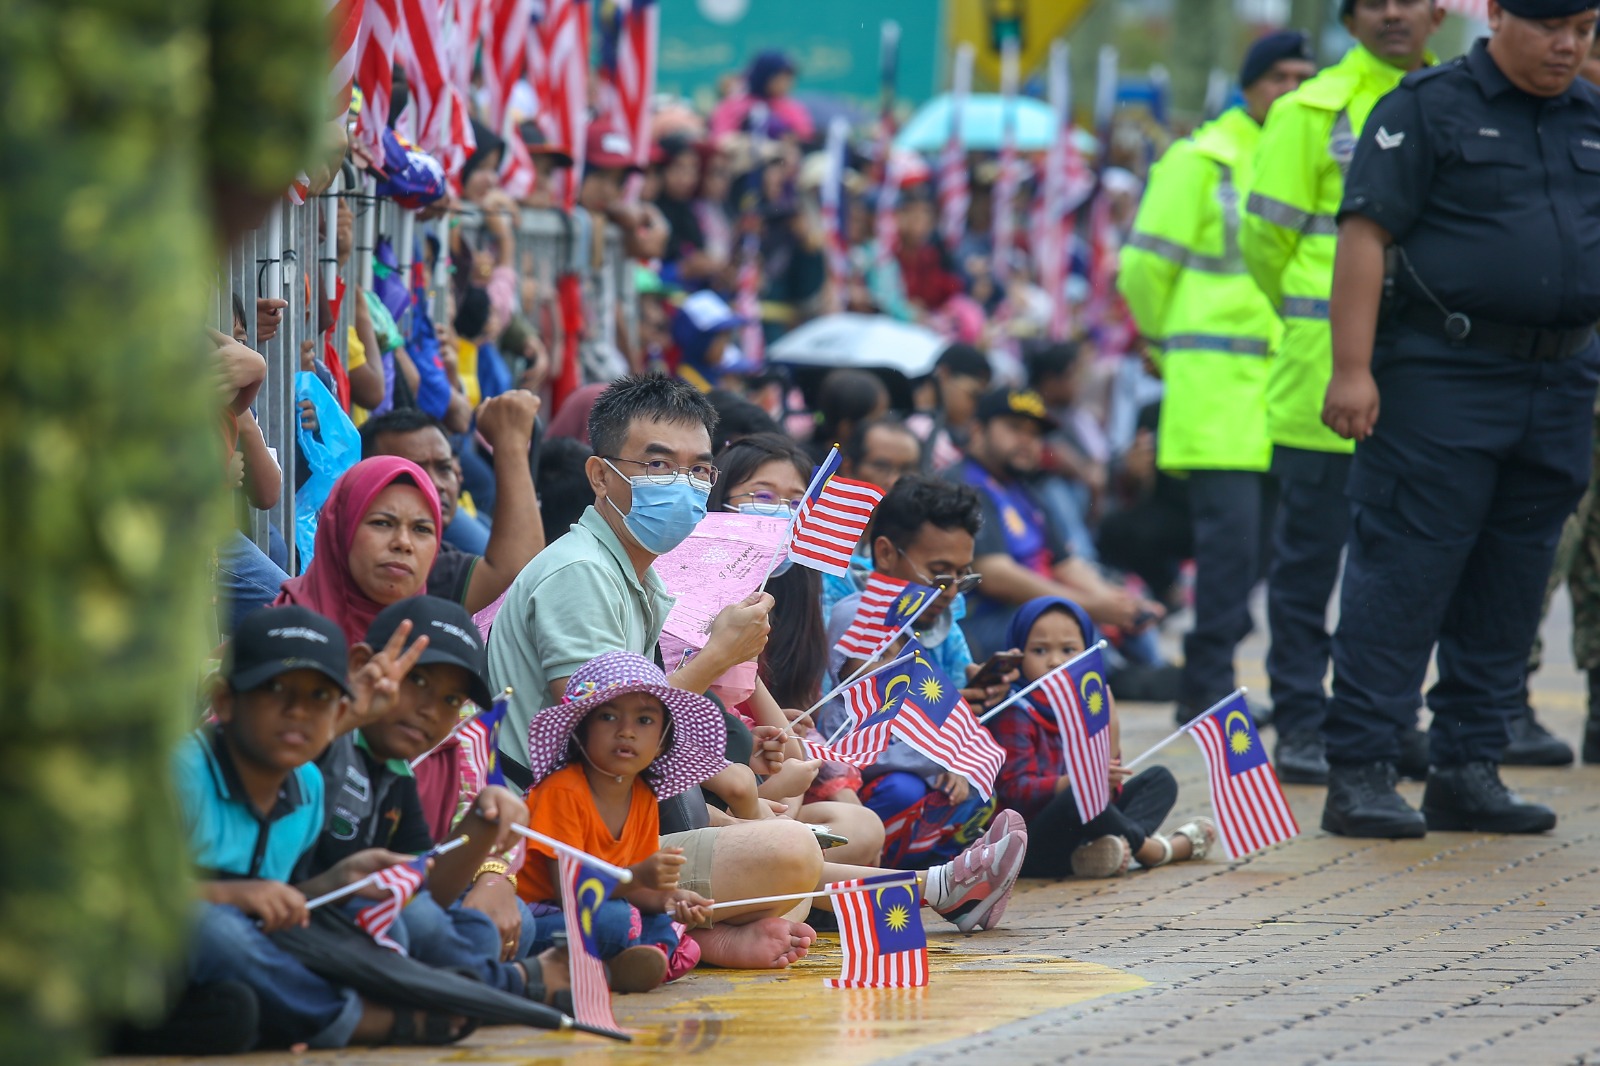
(292, 256)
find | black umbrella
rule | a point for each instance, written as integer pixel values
(334, 947)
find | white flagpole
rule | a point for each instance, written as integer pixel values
(795, 514)
(795, 896)
(356, 886)
(1181, 730)
(620, 873)
(1015, 696)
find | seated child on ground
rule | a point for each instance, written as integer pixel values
(621, 740)
(1034, 782)
(372, 801)
(252, 803)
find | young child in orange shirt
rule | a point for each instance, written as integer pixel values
(621, 740)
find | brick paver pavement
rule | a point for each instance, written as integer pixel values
(1457, 948)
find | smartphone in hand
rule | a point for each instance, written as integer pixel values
(994, 669)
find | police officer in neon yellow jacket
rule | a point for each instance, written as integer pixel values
(1212, 333)
(1288, 238)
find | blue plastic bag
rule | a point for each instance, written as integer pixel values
(335, 449)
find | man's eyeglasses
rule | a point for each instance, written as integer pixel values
(661, 472)
(965, 581)
(768, 502)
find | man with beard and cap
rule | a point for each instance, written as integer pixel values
(1287, 238)
(1213, 334)
(1466, 375)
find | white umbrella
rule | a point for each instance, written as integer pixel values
(861, 341)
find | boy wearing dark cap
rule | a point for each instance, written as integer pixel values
(373, 800)
(252, 803)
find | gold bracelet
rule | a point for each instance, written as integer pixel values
(493, 866)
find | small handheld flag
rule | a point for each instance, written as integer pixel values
(887, 604)
(1077, 695)
(1252, 812)
(936, 721)
(480, 744)
(583, 890)
(402, 881)
(832, 519)
(880, 933)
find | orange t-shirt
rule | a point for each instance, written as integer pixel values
(561, 806)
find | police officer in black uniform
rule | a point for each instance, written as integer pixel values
(1467, 376)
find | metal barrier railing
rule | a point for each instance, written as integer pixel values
(293, 256)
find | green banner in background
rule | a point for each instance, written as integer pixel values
(834, 42)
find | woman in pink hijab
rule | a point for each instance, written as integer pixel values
(376, 541)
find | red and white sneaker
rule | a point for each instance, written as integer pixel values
(972, 889)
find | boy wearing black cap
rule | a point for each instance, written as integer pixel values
(253, 804)
(373, 799)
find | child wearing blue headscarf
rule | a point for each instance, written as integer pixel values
(1034, 783)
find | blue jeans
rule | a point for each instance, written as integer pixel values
(246, 579)
(297, 1006)
(921, 828)
(459, 938)
(613, 930)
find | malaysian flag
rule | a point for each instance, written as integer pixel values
(505, 57)
(558, 68)
(1077, 695)
(936, 721)
(872, 709)
(1067, 184)
(629, 44)
(1251, 811)
(421, 54)
(1009, 177)
(835, 243)
(344, 31)
(880, 933)
(402, 881)
(954, 196)
(375, 73)
(832, 519)
(583, 890)
(887, 605)
(885, 228)
(480, 745)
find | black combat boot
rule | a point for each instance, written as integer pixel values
(1362, 802)
(1301, 758)
(1531, 744)
(1472, 797)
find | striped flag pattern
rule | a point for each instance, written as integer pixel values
(1009, 176)
(344, 31)
(872, 712)
(583, 889)
(1078, 697)
(886, 604)
(558, 68)
(480, 744)
(832, 519)
(375, 72)
(628, 51)
(935, 720)
(1251, 811)
(505, 57)
(955, 198)
(402, 881)
(835, 243)
(422, 57)
(880, 933)
(1067, 184)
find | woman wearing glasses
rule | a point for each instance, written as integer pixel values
(767, 474)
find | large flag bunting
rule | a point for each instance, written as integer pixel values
(880, 933)
(1251, 810)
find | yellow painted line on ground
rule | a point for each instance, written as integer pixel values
(778, 1019)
